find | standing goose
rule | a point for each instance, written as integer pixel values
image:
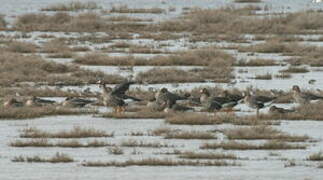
(302, 97)
(252, 102)
(111, 99)
(121, 89)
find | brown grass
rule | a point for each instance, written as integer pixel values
(203, 119)
(161, 131)
(283, 76)
(262, 132)
(224, 20)
(190, 135)
(83, 22)
(126, 9)
(160, 36)
(56, 45)
(274, 46)
(158, 162)
(292, 69)
(168, 75)
(57, 158)
(115, 150)
(269, 145)
(206, 155)
(3, 23)
(22, 47)
(19, 68)
(199, 57)
(46, 92)
(310, 111)
(264, 77)
(137, 143)
(35, 112)
(257, 62)
(127, 18)
(143, 114)
(316, 157)
(63, 144)
(76, 132)
(72, 6)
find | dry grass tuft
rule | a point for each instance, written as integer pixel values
(189, 135)
(72, 6)
(204, 119)
(58, 158)
(158, 162)
(257, 62)
(262, 132)
(126, 9)
(196, 155)
(3, 23)
(316, 157)
(191, 119)
(76, 132)
(161, 131)
(55, 46)
(43, 92)
(142, 114)
(224, 20)
(35, 112)
(267, 76)
(136, 143)
(22, 47)
(283, 76)
(83, 22)
(168, 75)
(199, 57)
(269, 145)
(15, 68)
(115, 150)
(310, 111)
(292, 69)
(64, 144)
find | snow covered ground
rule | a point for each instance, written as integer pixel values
(259, 165)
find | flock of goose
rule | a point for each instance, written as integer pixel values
(167, 101)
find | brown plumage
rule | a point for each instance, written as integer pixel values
(302, 97)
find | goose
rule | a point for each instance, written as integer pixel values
(176, 107)
(302, 97)
(76, 102)
(154, 106)
(12, 102)
(253, 102)
(163, 96)
(278, 110)
(111, 99)
(35, 101)
(224, 102)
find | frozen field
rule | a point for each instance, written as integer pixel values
(249, 164)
